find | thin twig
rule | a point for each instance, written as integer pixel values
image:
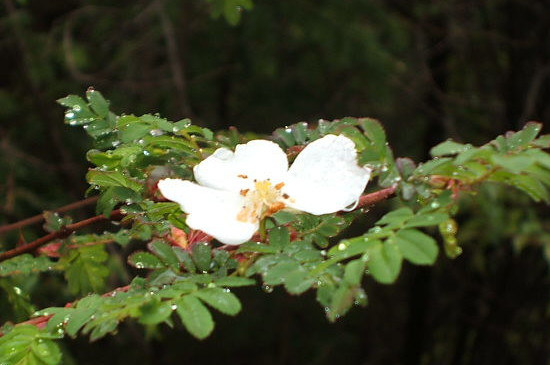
(376, 197)
(176, 63)
(40, 217)
(62, 233)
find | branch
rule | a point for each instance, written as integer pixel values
(176, 64)
(40, 217)
(62, 233)
(376, 197)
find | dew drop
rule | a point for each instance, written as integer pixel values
(267, 288)
(139, 265)
(434, 205)
(156, 132)
(69, 115)
(342, 246)
(174, 307)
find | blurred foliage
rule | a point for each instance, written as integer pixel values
(433, 70)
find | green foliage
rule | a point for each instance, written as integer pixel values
(513, 160)
(230, 9)
(28, 345)
(25, 264)
(85, 269)
(181, 275)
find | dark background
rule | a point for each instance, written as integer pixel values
(429, 70)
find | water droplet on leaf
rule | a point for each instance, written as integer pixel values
(267, 288)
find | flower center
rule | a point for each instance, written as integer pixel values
(264, 200)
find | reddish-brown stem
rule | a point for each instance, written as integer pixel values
(376, 197)
(40, 217)
(62, 233)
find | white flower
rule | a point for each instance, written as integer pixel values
(236, 190)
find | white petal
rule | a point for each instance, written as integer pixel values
(259, 159)
(325, 177)
(209, 210)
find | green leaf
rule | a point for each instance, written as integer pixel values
(234, 281)
(53, 222)
(77, 319)
(133, 131)
(165, 252)
(385, 262)
(525, 136)
(300, 132)
(284, 217)
(28, 345)
(220, 299)
(112, 178)
(25, 264)
(449, 148)
(430, 167)
(202, 256)
(353, 246)
(103, 159)
(297, 281)
(513, 163)
(341, 301)
(354, 272)
(114, 195)
(70, 101)
(533, 187)
(374, 131)
(170, 142)
(285, 136)
(279, 237)
(542, 141)
(426, 219)
(276, 274)
(417, 247)
(78, 113)
(155, 312)
(195, 316)
(98, 103)
(85, 268)
(19, 299)
(396, 217)
(103, 328)
(144, 260)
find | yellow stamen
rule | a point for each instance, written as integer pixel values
(262, 201)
